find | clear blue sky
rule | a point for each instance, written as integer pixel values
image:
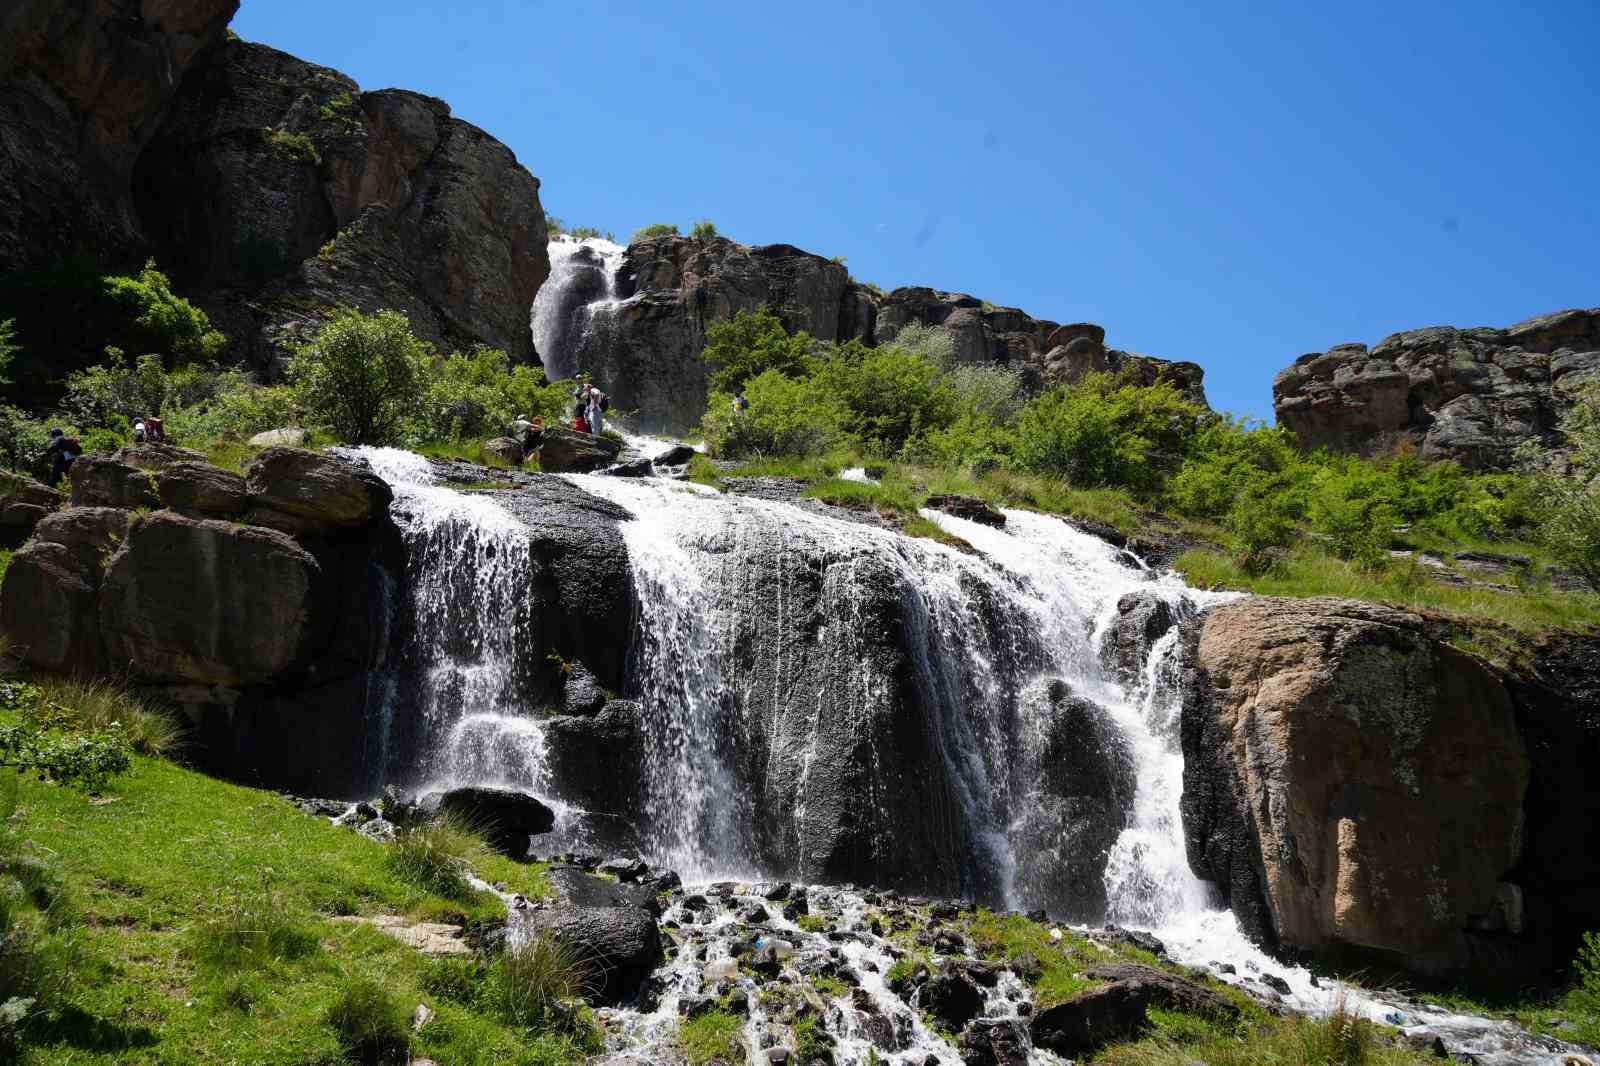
(1227, 183)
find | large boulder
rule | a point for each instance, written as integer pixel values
(606, 925)
(201, 488)
(154, 456)
(1142, 619)
(506, 818)
(24, 502)
(1119, 1009)
(301, 491)
(105, 481)
(206, 602)
(568, 451)
(1472, 395)
(594, 760)
(1350, 783)
(49, 601)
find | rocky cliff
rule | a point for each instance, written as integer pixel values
(643, 342)
(1472, 395)
(269, 187)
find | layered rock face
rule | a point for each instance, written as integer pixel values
(83, 87)
(179, 577)
(643, 345)
(1352, 784)
(271, 189)
(1472, 395)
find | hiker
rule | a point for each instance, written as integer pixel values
(63, 451)
(580, 421)
(598, 405)
(155, 429)
(138, 431)
(528, 434)
(740, 404)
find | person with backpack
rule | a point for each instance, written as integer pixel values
(740, 405)
(598, 404)
(63, 452)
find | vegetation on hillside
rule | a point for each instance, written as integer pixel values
(1277, 517)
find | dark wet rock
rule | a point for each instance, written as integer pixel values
(322, 808)
(505, 449)
(605, 924)
(778, 892)
(996, 1042)
(971, 508)
(677, 455)
(628, 871)
(952, 999)
(505, 818)
(1117, 1010)
(1143, 617)
(1080, 788)
(594, 760)
(1276, 983)
(631, 468)
(582, 694)
(1137, 938)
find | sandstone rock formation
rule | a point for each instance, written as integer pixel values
(271, 189)
(1472, 395)
(644, 348)
(1350, 783)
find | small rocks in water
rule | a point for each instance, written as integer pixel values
(796, 909)
(696, 903)
(665, 881)
(1278, 984)
(422, 1016)
(378, 830)
(778, 892)
(1134, 938)
(694, 1006)
(720, 970)
(996, 1042)
(1039, 916)
(1225, 967)
(944, 910)
(738, 1001)
(953, 999)
(779, 1055)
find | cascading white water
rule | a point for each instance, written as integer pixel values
(582, 286)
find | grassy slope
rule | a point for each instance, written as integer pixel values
(166, 848)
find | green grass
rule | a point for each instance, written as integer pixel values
(437, 855)
(96, 705)
(1339, 1040)
(921, 527)
(703, 471)
(713, 1035)
(471, 451)
(204, 932)
(1308, 571)
(890, 497)
(1003, 937)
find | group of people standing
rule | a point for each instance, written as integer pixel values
(589, 408)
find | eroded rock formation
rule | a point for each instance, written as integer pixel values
(644, 348)
(1351, 783)
(1472, 395)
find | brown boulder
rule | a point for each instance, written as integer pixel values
(1349, 781)
(154, 456)
(504, 449)
(104, 481)
(1119, 1010)
(202, 488)
(49, 600)
(206, 602)
(299, 491)
(568, 451)
(24, 502)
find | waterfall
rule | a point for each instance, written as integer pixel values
(581, 289)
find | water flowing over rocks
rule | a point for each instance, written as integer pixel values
(636, 319)
(1350, 782)
(1472, 395)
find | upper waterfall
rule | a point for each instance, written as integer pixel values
(582, 282)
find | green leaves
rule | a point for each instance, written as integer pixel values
(36, 743)
(364, 376)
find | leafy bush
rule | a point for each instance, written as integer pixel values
(703, 230)
(583, 233)
(1569, 525)
(651, 232)
(787, 416)
(37, 741)
(739, 348)
(373, 1025)
(891, 393)
(477, 393)
(435, 855)
(363, 377)
(23, 438)
(1104, 431)
(236, 408)
(8, 348)
(100, 705)
(529, 984)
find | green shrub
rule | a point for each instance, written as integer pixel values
(97, 706)
(435, 856)
(38, 739)
(532, 982)
(373, 1024)
(891, 393)
(363, 377)
(703, 230)
(477, 394)
(714, 1035)
(1569, 525)
(1104, 431)
(750, 343)
(787, 416)
(553, 226)
(651, 232)
(23, 438)
(9, 348)
(583, 233)
(294, 145)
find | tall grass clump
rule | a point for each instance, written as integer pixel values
(1340, 1039)
(530, 983)
(39, 931)
(435, 855)
(251, 924)
(98, 705)
(372, 1023)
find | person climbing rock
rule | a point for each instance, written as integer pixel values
(63, 452)
(528, 434)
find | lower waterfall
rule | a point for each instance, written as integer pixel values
(790, 663)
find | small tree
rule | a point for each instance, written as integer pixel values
(8, 348)
(364, 376)
(1570, 489)
(739, 348)
(650, 233)
(703, 230)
